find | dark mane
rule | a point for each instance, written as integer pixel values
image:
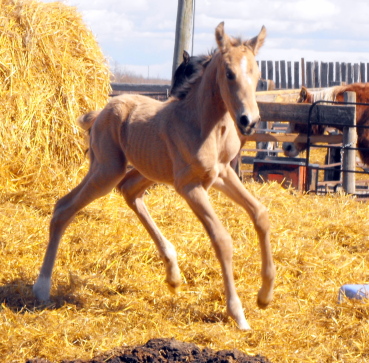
(188, 72)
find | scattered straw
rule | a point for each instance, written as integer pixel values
(109, 285)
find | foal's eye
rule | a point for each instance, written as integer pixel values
(230, 75)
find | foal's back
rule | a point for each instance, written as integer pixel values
(135, 124)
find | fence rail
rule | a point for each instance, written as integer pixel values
(293, 75)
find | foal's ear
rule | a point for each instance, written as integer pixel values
(222, 38)
(186, 57)
(256, 42)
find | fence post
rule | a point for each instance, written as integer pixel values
(349, 73)
(344, 72)
(296, 75)
(303, 72)
(277, 84)
(316, 72)
(330, 73)
(263, 70)
(283, 74)
(270, 70)
(356, 73)
(348, 157)
(309, 74)
(362, 72)
(338, 73)
(324, 74)
(289, 75)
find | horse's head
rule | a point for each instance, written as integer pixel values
(187, 72)
(294, 149)
(304, 96)
(182, 73)
(237, 77)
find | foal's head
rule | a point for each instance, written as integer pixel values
(238, 76)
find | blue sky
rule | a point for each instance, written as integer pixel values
(138, 35)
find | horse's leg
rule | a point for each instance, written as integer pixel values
(197, 198)
(133, 187)
(100, 180)
(229, 183)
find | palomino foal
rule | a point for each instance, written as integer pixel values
(187, 143)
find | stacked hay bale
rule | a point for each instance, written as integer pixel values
(51, 71)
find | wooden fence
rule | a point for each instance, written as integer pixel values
(292, 75)
(342, 115)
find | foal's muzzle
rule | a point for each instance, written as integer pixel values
(247, 126)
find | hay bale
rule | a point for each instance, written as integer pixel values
(51, 71)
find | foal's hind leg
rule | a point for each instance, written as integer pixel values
(230, 184)
(133, 187)
(100, 180)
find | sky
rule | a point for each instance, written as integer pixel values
(138, 35)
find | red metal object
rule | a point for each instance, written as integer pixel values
(290, 172)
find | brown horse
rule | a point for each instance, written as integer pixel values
(335, 94)
(191, 68)
(186, 143)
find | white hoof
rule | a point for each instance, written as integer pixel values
(243, 325)
(235, 311)
(41, 289)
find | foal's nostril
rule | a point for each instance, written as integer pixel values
(244, 121)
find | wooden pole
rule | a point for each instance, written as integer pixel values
(303, 72)
(184, 27)
(296, 75)
(348, 157)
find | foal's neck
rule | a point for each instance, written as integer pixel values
(210, 107)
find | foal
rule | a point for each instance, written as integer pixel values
(186, 143)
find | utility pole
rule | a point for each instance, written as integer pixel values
(184, 27)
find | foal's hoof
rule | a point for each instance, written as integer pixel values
(174, 289)
(263, 303)
(244, 326)
(41, 289)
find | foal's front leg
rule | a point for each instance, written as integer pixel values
(197, 198)
(229, 183)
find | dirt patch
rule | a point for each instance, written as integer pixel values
(166, 351)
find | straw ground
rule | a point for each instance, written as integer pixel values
(110, 288)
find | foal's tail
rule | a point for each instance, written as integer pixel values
(87, 120)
